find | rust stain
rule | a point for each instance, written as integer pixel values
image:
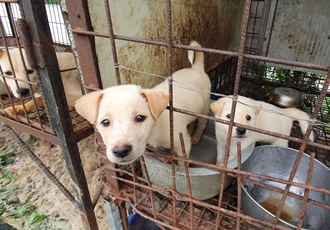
(214, 24)
(299, 32)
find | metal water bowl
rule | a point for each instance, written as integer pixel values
(205, 183)
(278, 162)
(287, 97)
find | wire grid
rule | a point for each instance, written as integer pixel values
(258, 81)
(167, 207)
(9, 13)
(39, 120)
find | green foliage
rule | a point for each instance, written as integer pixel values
(8, 175)
(52, 1)
(26, 209)
(5, 192)
(9, 203)
(29, 138)
(29, 210)
(5, 156)
(34, 218)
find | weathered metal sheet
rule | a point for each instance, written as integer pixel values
(214, 24)
(299, 31)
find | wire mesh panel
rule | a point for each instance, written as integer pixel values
(17, 73)
(37, 86)
(162, 188)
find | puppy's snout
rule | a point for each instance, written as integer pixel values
(24, 92)
(122, 151)
(240, 131)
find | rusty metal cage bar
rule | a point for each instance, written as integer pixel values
(33, 123)
(67, 132)
(141, 191)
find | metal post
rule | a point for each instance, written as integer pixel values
(113, 213)
(36, 18)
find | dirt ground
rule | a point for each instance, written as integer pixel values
(34, 188)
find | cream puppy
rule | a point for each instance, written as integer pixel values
(70, 79)
(252, 113)
(129, 117)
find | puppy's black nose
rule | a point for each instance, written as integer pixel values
(24, 92)
(122, 151)
(240, 131)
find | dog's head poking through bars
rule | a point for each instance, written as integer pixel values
(125, 116)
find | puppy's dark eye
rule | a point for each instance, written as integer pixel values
(8, 72)
(140, 118)
(248, 117)
(228, 116)
(105, 123)
(29, 71)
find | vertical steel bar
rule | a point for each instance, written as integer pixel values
(112, 40)
(78, 15)
(134, 180)
(146, 175)
(186, 168)
(36, 19)
(239, 188)
(113, 213)
(236, 88)
(123, 214)
(306, 193)
(170, 88)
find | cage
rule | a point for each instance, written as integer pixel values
(32, 94)
(251, 47)
(253, 67)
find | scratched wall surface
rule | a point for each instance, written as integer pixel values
(299, 30)
(213, 23)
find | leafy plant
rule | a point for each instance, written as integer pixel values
(34, 218)
(29, 138)
(26, 209)
(6, 157)
(5, 192)
(29, 210)
(8, 175)
(9, 203)
(6, 154)
(52, 1)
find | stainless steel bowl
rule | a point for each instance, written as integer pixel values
(278, 162)
(205, 183)
(286, 97)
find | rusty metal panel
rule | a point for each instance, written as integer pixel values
(218, 28)
(78, 17)
(298, 30)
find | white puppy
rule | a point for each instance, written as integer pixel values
(70, 79)
(255, 117)
(129, 117)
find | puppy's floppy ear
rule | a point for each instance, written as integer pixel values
(259, 106)
(217, 106)
(88, 106)
(157, 101)
(2, 52)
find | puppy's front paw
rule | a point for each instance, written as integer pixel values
(18, 109)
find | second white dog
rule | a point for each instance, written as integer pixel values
(12, 67)
(250, 113)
